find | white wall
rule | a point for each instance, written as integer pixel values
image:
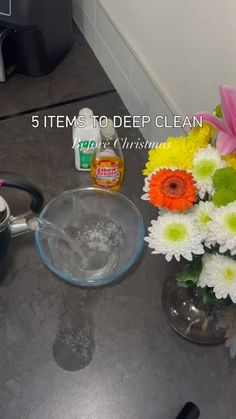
(187, 47)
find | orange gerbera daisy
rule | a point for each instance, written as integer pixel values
(174, 190)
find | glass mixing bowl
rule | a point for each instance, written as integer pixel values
(90, 237)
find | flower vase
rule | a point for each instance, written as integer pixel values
(192, 317)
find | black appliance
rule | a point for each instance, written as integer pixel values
(35, 35)
(13, 226)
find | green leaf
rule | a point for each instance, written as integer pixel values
(209, 299)
(209, 296)
(190, 275)
(218, 112)
(224, 197)
(186, 284)
(225, 178)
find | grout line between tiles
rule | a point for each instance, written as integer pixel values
(57, 105)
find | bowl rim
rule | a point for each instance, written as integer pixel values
(91, 282)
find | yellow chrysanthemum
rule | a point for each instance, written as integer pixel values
(173, 153)
(231, 159)
(202, 134)
(179, 152)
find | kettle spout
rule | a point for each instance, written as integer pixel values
(20, 226)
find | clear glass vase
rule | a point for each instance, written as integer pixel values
(190, 317)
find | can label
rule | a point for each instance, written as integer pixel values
(107, 173)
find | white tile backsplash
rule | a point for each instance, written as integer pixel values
(89, 8)
(136, 89)
(153, 102)
(84, 23)
(113, 70)
(113, 40)
(136, 108)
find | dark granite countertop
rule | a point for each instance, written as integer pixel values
(105, 353)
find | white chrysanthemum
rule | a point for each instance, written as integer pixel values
(205, 163)
(175, 235)
(223, 228)
(228, 322)
(147, 179)
(203, 212)
(219, 273)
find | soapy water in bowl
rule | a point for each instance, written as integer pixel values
(94, 248)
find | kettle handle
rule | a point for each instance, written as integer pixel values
(19, 182)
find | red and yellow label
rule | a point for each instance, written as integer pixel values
(107, 173)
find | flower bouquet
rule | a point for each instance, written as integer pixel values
(192, 181)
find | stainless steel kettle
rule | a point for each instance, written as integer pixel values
(11, 226)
